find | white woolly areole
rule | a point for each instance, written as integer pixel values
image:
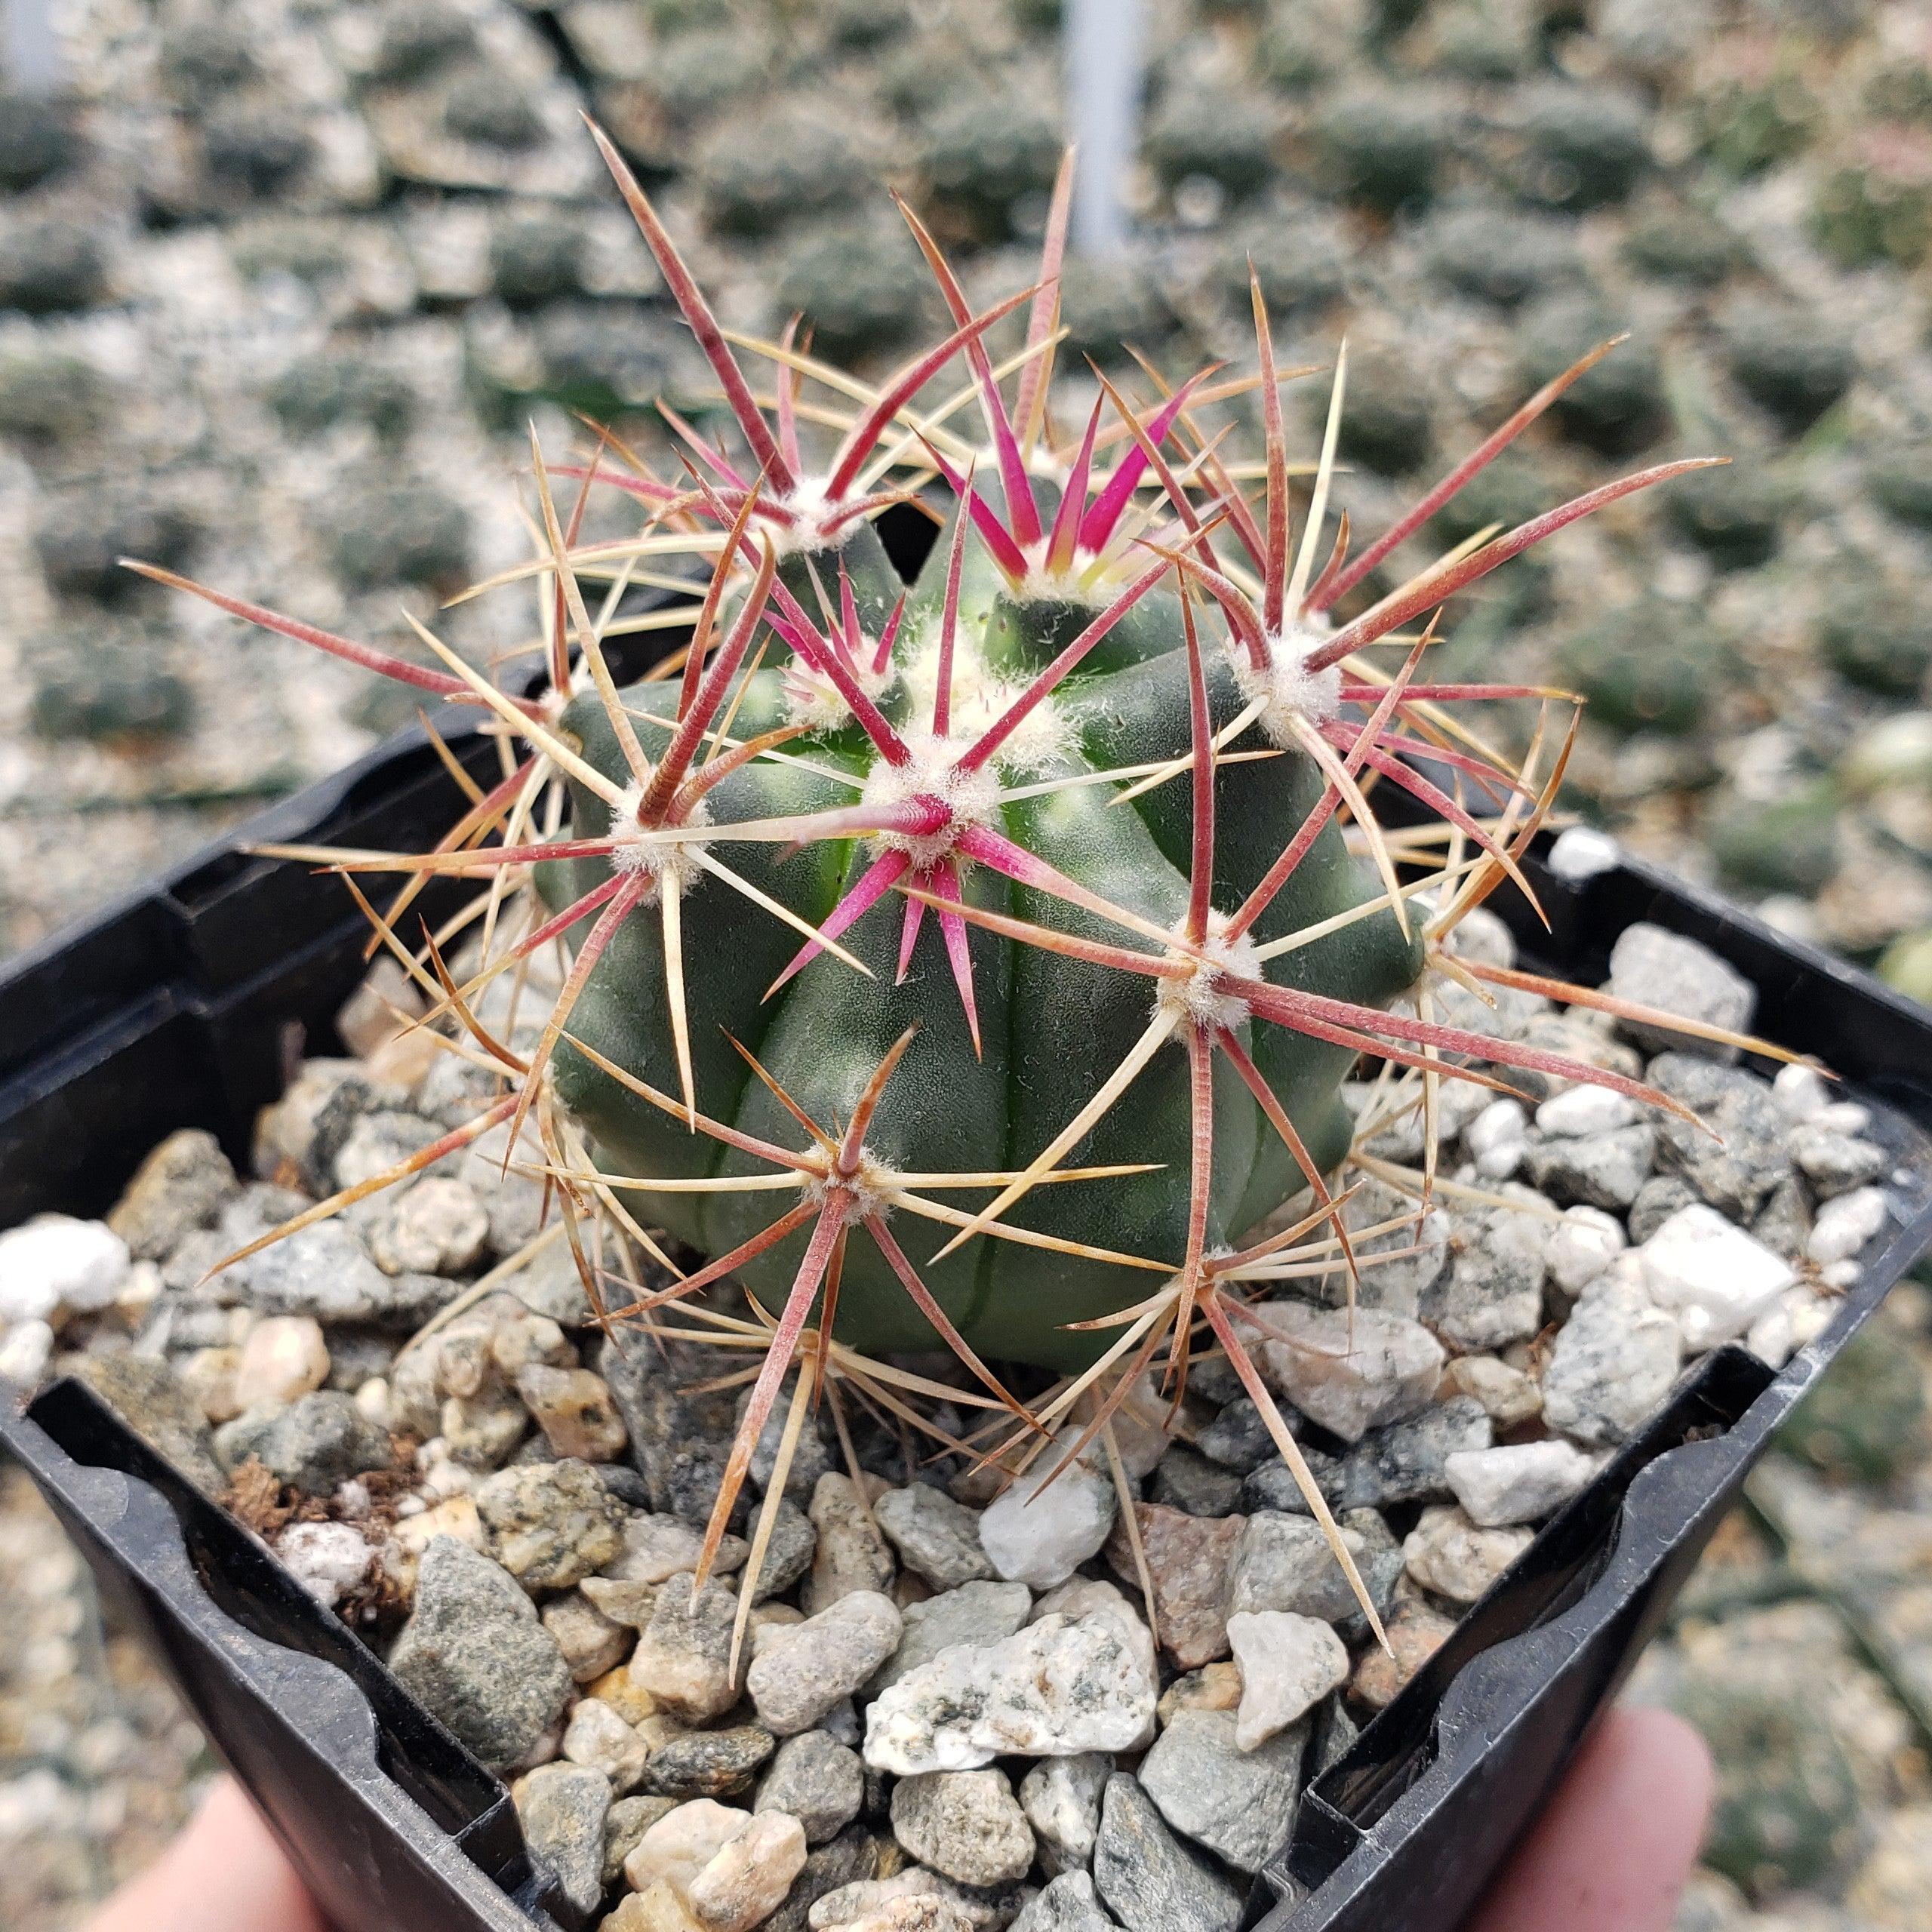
(1291, 690)
(1077, 582)
(865, 1191)
(811, 509)
(980, 698)
(812, 700)
(1196, 999)
(932, 771)
(661, 857)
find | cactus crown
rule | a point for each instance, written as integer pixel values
(1110, 759)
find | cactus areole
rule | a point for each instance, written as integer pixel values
(977, 961)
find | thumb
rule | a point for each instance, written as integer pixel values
(225, 1873)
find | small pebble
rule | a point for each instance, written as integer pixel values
(562, 1809)
(597, 1737)
(1237, 1800)
(1350, 1373)
(1846, 1225)
(1582, 1245)
(801, 1671)
(1046, 1524)
(1520, 1482)
(1061, 1798)
(283, 1358)
(1288, 1663)
(1712, 1275)
(1457, 1558)
(937, 1538)
(1052, 1689)
(850, 1554)
(818, 1781)
(967, 1825)
(53, 1266)
(683, 1657)
(746, 1879)
(1497, 1138)
(573, 1409)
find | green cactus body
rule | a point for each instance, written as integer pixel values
(1052, 1028)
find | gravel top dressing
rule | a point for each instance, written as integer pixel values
(967, 1697)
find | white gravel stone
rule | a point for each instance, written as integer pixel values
(440, 1226)
(1845, 1225)
(745, 1881)
(328, 1560)
(802, 1669)
(1584, 1243)
(54, 1266)
(1288, 1663)
(1083, 1597)
(284, 1357)
(1061, 1798)
(1351, 1373)
(25, 1351)
(1050, 1691)
(682, 1843)
(1842, 1275)
(1582, 1111)
(1521, 1482)
(1040, 1531)
(1801, 1092)
(1798, 1316)
(599, 1738)
(1715, 1277)
(1497, 1138)
(1457, 1558)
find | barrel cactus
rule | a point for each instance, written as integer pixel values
(977, 961)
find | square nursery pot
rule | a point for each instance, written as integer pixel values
(183, 1005)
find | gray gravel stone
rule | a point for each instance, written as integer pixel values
(802, 1669)
(819, 1781)
(1741, 1153)
(1650, 966)
(1147, 1878)
(683, 1656)
(1240, 1805)
(1596, 1170)
(157, 1405)
(628, 1820)
(1491, 1294)
(551, 1524)
(1238, 1438)
(937, 1538)
(975, 1613)
(708, 1764)
(679, 1443)
(1285, 1563)
(562, 1809)
(1614, 1360)
(313, 1445)
(475, 1653)
(1186, 1481)
(182, 1186)
(850, 1554)
(1068, 1904)
(967, 1825)
(1350, 1374)
(1660, 1197)
(1406, 1462)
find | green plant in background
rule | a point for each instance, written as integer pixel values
(1042, 899)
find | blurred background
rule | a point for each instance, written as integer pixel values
(282, 283)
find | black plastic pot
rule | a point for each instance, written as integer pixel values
(184, 1005)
